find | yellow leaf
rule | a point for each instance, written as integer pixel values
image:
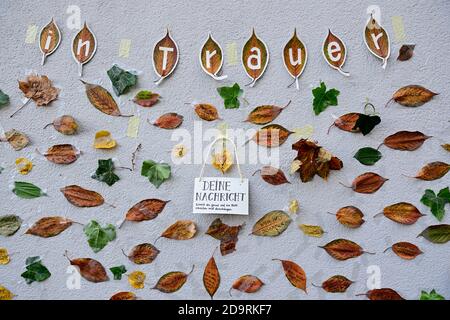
(23, 165)
(295, 165)
(179, 151)
(222, 160)
(5, 294)
(104, 140)
(137, 279)
(312, 231)
(4, 257)
(446, 146)
(293, 206)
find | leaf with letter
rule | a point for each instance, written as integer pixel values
(165, 57)
(405, 250)
(98, 237)
(9, 224)
(432, 171)
(272, 175)
(294, 273)
(102, 100)
(121, 80)
(146, 210)
(437, 234)
(350, 216)
(402, 212)
(230, 96)
(368, 182)
(436, 202)
(26, 190)
(368, 156)
(265, 113)
(84, 45)
(36, 271)
(169, 120)
(312, 231)
(247, 283)
(211, 277)
(65, 124)
(49, 226)
(377, 40)
(172, 281)
(146, 98)
(255, 57)
(81, 197)
(118, 271)
(336, 284)
(62, 154)
(90, 269)
(406, 52)
(412, 96)
(143, 253)
(295, 56)
(405, 140)
(211, 58)
(272, 135)
(206, 111)
(124, 295)
(335, 52)
(105, 172)
(272, 224)
(180, 230)
(156, 173)
(49, 39)
(433, 295)
(228, 235)
(324, 98)
(343, 249)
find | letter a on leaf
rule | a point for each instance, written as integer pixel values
(255, 57)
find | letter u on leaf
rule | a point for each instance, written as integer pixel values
(295, 57)
(255, 57)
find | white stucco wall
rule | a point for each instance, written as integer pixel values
(144, 22)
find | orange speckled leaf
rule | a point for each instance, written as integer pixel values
(383, 294)
(406, 250)
(368, 182)
(146, 210)
(343, 249)
(265, 113)
(90, 269)
(336, 284)
(405, 140)
(207, 112)
(433, 171)
(350, 216)
(180, 230)
(211, 277)
(272, 135)
(172, 281)
(294, 273)
(124, 295)
(247, 283)
(402, 212)
(49, 226)
(273, 175)
(102, 100)
(143, 253)
(81, 197)
(169, 120)
(413, 96)
(62, 154)
(347, 122)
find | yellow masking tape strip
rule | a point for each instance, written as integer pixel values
(305, 132)
(124, 48)
(399, 29)
(31, 33)
(133, 127)
(232, 55)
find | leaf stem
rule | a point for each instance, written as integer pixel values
(20, 108)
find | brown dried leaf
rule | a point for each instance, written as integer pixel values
(180, 230)
(169, 120)
(16, 139)
(405, 140)
(273, 175)
(62, 154)
(343, 249)
(402, 212)
(65, 125)
(81, 197)
(406, 52)
(368, 182)
(143, 253)
(124, 295)
(377, 40)
(272, 224)
(405, 250)
(383, 294)
(335, 52)
(164, 62)
(146, 210)
(211, 277)
(102, 100)
(272, 135)
(350, 216)
(336, 284)
(347, 122)
(207, 112)
(49, 226)
(433, 171)
(172, 281)
(294, 273)
(39, 88)
(146, 98)
(90, 269)
(228, 235)
(294, 57)
(247, 283)
(312, 231)
(255, 57)
(412, 96)
(446, 146)
(265, 113)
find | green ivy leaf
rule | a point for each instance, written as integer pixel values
(27, 190)
(105, 172)
(36, 271)
(99, 237)
(9, 224)
(230, 96)
(4, 99)
(323, 98)
(118, 271)
(367, 156)
(436, 202)
(121, 80)
(366, 123)
(433, 295)
(157, 173)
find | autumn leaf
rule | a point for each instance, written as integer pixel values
(222, 160)
(272, 224)
(90, 269)
(172, 281)
(247, 283)
(16, 139)
(49, 226)
(312, 231)
(156, 173)
(436, 202)
(62, 154)
(412, 96)
(4, 256)
(146, 98)
(336, 284)
(272, 135)
(265, 113)
(137, 279)
(368, 182)
(143, 253)
(272, 175)
(9, 224)
(437, 233)
(180, 230)
(228, 235)
(81, 197)
(123, 295)
(324, 98)
(5, 294)
(382, 294)
(103, 140)
(350, 216)
(102, 100)
(206, 111)
(343, 249)
(432, 171)
(121, 80)
(65, 124)
(211, 277)
(405, 140)
(147, 209)
(105, 172)
(169, 120)
(294, 273)
(402, 212)
(406, 52)
(162, 64)
(405, 250)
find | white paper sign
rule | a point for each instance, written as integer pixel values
(218, 195)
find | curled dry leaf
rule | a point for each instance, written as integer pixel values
(49, 39)
(23, 165)
(336, 284)
(83, 54)
(4, 256)
(90, 269)
(272, 175)
(102, 100)
(206, 111)
(405, 250)
(40, 89)
(439, 233)
(146, 210)
(16, 139)
(294, 273)
(406, 52)
(172, 281)
(49, 226)
(265, 113)
(272, 135)
(347, 122)
(272, 224)
(335, 52)
(383, 294)
(81, 197)
(405, 140)
(5, 294)
(103, 140)
(211, 277)
(65, 124)
(293, 206)
(124, 295)
(169, 120)
(312, 231)
(62, 154)
(136, 279)
(222, 160)
(247, 283)
(165, 57)
(9, 224)
(180, 230)
(343, 249)
(368, 182)
(412, 96)
(255, 57)
(146, 98)
(143, 253)
(446, 146)
(295, 56)
(433, 171)
(350, 216)
(377, 40)
(402, 212)
(228, 235)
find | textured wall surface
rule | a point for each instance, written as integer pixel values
(144, 22)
